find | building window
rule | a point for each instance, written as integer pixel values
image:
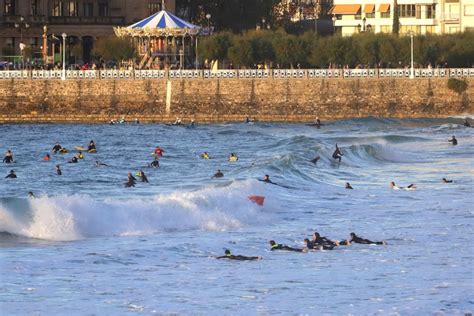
(72, 8)
(358, 16)
(407, 10)
(386, 28)
(406, 29)
(57, 9)
(430, 29)
(9, 8)
(370, 15)
(88, 9)
(385, 15)
(154, 7)
(431, 11)
(103, 9)
(34, 7)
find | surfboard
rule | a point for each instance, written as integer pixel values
(92, 151)
(79, 148)
(257, 199)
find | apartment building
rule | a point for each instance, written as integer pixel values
(418, 16)
(23, 22)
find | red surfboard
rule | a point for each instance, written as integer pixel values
(257, 199)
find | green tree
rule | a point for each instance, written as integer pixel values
(114, 48)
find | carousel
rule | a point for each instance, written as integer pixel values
(163, 40)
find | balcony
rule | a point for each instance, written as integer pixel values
(450, 17)
(92, 20)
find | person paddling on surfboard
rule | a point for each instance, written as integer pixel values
(447, 181)
(158, 151)
(155, 163)
(230, 256)
(358, 240)
(323, 241)
(315, 159)
(274, 246)
(337, 154)
(393, 186)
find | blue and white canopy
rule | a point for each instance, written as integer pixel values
(162, 23)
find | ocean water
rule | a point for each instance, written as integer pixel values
(86, 245)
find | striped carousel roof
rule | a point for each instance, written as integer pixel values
(162, 23)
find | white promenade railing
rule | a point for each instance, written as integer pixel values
(238, 74)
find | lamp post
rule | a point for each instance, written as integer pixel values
(363, 24)
(63, 77)
(412, 69)
(334, 19)
(208, 17)
(20, 26)
(263, 23)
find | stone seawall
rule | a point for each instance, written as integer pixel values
(214, 100)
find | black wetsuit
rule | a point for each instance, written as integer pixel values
(453, 140)
(323, 241)
(285, 247)
(130, 182)
(467, 124)
(337, 154)
(313, 245)
(218, 175)
(56, 148)
(237, 257)
(356, 239)
(73, 160)
(11, 175)
(8, 159)
(155, 164)
(59, 172)
(143, 176)
(315, 160)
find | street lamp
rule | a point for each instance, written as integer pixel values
(208, 17)
(363, 24)
(412, 69)
(334, 24)
(263, 23)
(63, 77)
(20, 26)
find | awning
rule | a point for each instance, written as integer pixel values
(384, 8)
(345, 9)
(369, 8)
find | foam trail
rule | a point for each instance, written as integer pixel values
(74, 217)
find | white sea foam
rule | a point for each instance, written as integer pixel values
(74, 217)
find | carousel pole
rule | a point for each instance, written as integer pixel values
(196, 49)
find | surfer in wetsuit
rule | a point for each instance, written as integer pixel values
(274, 246)
(318, 123)
(11, 175)
(311, 245)
(31, 195)
(58, 170)
(349, 186)
(337, 154)
(395, 187)
(56, 148)
(315, 160)
(323, 241)
(91, 145)
(130, 181)
(205, 155)
(8, 157)
(99, 164)
(466, 123)
(266, 179)
(155, 163)
(73, 160)
(142, 175)
(358, 240)
(453, 140)
(230, 256)
(218, 174)
(447, 181)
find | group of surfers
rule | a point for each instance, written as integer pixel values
(317, 242)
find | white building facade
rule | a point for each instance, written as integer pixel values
(418, 16)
